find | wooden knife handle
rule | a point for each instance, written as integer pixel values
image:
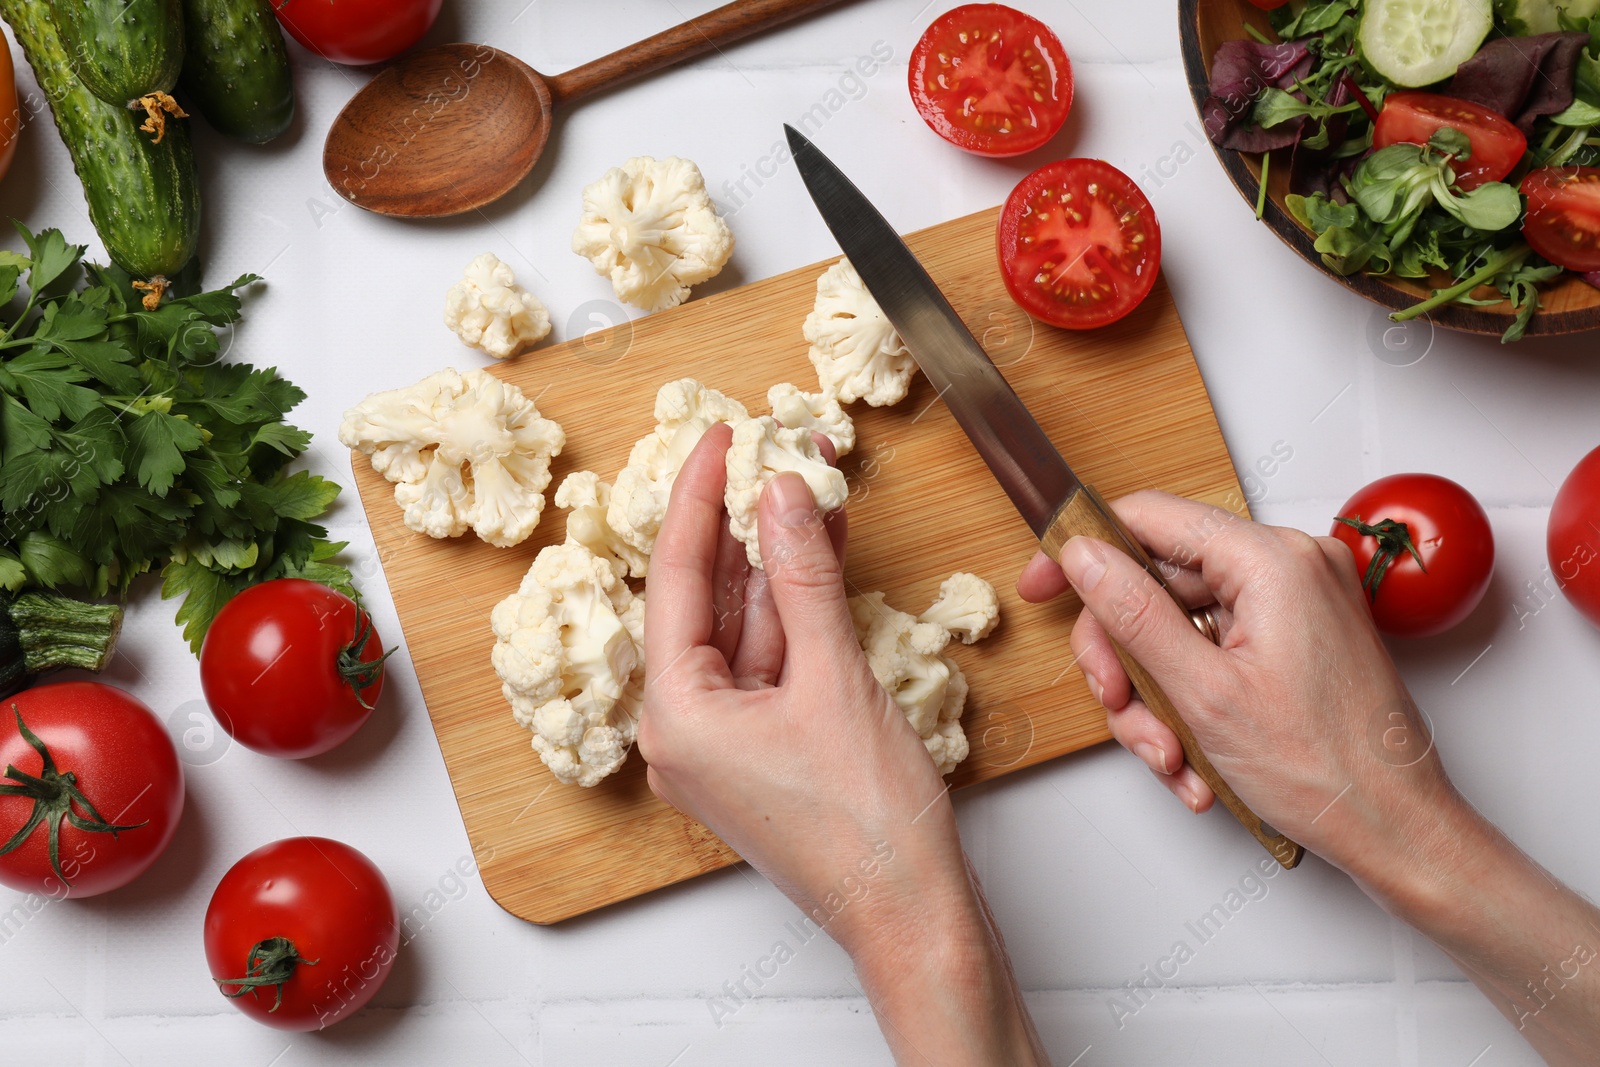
(1087, 514)
(712, 30)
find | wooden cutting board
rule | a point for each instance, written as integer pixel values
(1125, 405)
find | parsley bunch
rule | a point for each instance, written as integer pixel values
(127, 443)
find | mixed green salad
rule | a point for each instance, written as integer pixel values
(1428, 136)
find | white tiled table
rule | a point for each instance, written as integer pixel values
(1092, 869)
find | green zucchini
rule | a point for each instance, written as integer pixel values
(122, 49)
(144, 197)
(236, 70)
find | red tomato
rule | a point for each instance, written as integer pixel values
(99, 763)
(291, 668)
(357, 31)
(991, 80)
(301, 933)
(1424, 548)
(1269, 5)
(1573, 540)
(1079, 244)
(1412, 118)
(1563, 220)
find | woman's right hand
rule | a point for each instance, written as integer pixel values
(1298, 706)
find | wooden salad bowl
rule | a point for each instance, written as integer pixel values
(1566, 306)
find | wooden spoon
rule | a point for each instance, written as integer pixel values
(452, 128)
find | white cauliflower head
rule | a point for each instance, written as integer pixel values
(489, 311)
(569, 650)
(762, 450)
(928, 687)
(586, 497)
(820, 412)
(967, 607)
(464, 450)
(649, 226)
(857, 353)
(684, 411)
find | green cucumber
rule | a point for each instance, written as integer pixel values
(1413, 43)
(144, 197)
(122, 49)
(237, 68)
(1526, 18)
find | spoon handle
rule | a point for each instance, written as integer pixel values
(712, 30)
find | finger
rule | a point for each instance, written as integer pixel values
(1136, 612)
(1137, 729)
(1192, 534)
(825, 446)
(761, 645)
(680, 594)
(838, 527)
(1041, 579)
(1187, 785)
(805, 575)
(730, 574)
(1097, 660)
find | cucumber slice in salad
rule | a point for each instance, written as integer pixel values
(1525, 18)
(1419, 42)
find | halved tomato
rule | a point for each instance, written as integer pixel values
(991, 80)
(1563, 220)
(1080, 246)
(1412, 118)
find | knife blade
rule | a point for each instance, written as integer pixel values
(1052, 499)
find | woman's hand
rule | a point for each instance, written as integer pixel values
(1299, 707)
(762, 720)
(1302, 712)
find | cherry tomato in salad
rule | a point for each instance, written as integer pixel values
(291, 668)
(1079, 244)
(96, 763)
(356, 32)
(1269, 5)
(1573, 537)
(10, 113)
(991, 80)
(301, 933)
(1563, 220)
(1424, 549)
(1412, 118)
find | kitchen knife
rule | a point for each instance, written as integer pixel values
(1054, 503)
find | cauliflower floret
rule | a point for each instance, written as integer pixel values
(649, 226)
(761, 450)
(685, 410)
(569, 650)
(488, 310)
(967, 607)
(929, 688)
(821, 412)
(587, 497)
(857, 353)
(464, 450)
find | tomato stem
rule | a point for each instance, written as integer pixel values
(53, 793)
(361, 674)
(271, 962)
(1394, 538)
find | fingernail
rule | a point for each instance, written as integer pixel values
(791, 501)
(1083, 562)
(1154, 755)
(1187, 794)
(1094, 686)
